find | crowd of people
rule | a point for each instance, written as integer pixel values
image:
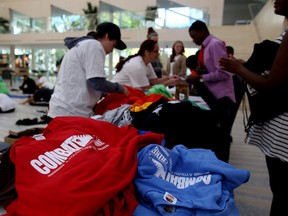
(215, 75)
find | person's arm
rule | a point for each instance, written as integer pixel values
(166, 81)
(278, 75)
(103, 85)
(172, 81)
(159, 80)
(215, 72)
(164, 73)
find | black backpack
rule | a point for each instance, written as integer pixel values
(264, 104)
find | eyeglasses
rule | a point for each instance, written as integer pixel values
(155, 51)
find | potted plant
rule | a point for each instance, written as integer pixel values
(4, 25)
(151, 13)
(91, 15)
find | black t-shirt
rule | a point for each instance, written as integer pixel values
(28, 86)
(43, 95)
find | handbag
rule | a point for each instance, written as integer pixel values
(264, 104)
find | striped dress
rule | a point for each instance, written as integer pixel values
(272, 136)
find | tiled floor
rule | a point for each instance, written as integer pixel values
(252, 198)
(8, 120)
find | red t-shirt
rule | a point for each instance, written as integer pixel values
(78, 166)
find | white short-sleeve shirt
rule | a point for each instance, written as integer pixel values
(43, 80)
(72, 95)
(135, 73)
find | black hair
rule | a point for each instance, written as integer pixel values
(151, 32)
(104, 28)
(198, 25)
(91, 34)
(146, 45)
(230, 50)
(192, 62)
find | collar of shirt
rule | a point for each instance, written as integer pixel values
(206, 41)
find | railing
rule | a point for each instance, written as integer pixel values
(165, 18)
(45, 59)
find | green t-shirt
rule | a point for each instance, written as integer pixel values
(3, 87)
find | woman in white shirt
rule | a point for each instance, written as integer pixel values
(136, 70)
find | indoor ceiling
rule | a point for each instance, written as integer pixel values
(235, 11)
(241, 11)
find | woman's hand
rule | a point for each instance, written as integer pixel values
(173, 80)
(231, 64)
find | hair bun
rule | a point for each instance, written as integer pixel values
(151, 32)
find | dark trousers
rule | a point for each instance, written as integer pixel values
(223, 110)
(278, 179)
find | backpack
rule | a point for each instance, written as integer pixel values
(262, 102)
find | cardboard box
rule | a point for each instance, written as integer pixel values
(14, 135)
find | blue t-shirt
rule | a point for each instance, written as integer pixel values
(185, 181)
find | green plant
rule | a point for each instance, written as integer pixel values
(4, 25)
(91, 15)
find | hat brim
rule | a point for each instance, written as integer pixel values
(120, 45)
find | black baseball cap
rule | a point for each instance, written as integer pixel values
(113, 32)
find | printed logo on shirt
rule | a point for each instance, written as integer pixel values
(39, 137)
(162, 161)
(159, 107)
(99, 144)
(170, 198)
(253, 91)
(51, 162)
(169, 209)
